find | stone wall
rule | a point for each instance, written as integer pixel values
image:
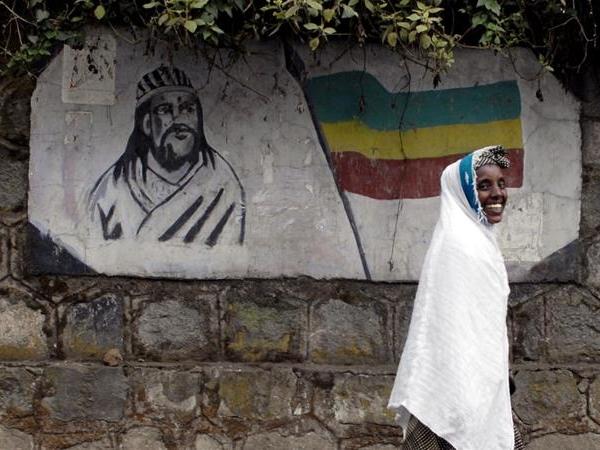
(270, 364)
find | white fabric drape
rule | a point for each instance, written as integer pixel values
(453, 373)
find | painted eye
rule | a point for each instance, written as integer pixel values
(188, 108)
(163, 109)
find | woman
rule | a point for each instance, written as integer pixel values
(452, 387)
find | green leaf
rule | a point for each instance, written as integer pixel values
(150, 5)
(490, 5)
(425, 41)
(163, 18)
(190, 25)
(291, 12)
(413, 17)
(314, 4)
(328, 14)
(352, 3)
(412, 36)
(369, 5)
(99, 12)
(41, 14)
(199, 4)
(212, 9)
(479, 19)
(348, 12)
(329, 30)
(314, 43)
(392, 39)
(421, 28)
(311, 26)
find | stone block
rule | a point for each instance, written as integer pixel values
(594, 400)
(572, 333)
(4, 252)
(15, 98)
(591, 94)
(174, 329)
(335, 394)
(351, 445)
(24, 324)
(102, 444)
(276, 441)
(549, 399)
(591, 264)
(349, 332)
(362, 399)
(206, 442)
(17, 389)
(256, 395)
(92, 328)
(402, 313)
(524, 292)
(161, 394)
(590, 202)
(143, 438)
(590, 147)
(15, 108)
(78, 392)
(585, 441)
(265, 329)
(15, 440)
(13, 188)
(528, 330)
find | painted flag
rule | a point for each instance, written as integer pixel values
(387, 145)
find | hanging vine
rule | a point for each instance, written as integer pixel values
(563, 33)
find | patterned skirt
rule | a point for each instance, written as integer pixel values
(419, 437)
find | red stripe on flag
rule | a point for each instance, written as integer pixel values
(387, 179)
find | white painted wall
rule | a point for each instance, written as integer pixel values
(255, 114)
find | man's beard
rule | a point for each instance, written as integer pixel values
(166, 155)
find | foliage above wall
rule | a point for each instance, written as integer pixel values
(563, 33)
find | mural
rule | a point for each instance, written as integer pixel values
(169, 183)
(284, 163)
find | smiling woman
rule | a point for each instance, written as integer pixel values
(452, 386)
(491, 187)
(491, 192)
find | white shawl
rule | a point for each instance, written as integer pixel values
(453, 373)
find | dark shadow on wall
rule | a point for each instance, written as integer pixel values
(561, 266)
(45, 257)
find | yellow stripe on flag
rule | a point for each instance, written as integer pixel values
(429, 142)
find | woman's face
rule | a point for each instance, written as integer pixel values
(491, 191)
